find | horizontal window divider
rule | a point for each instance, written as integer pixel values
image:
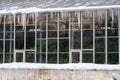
(53, 52)
(87, 49)
(8, 39)
(112, 52)
(64, 38)
(99, 52)
(112, 36)
(30, 50)
(41, 39)
(88, 29)
(100, 37)
(9, 53)
(87, 52)
(9, 31)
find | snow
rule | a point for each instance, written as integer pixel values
(16, 9)
(70, 66)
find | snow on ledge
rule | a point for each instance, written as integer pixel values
(70, 66)
(15, 9)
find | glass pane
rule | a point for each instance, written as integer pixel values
(9, 19)
(52, 21)
(63, 58)
(1, 19)
(29, 57)
(52, 34)
(40, 57)
(8, 57)
(52, 45)
(112, 22)
(1, 58)
(75, 57)
(19, 43)
(76, 39)
(41, 34)
(43, 48)
(87, 20)
(1, 26)
(9, 46)
(52, 58)
(87, 57)
(113, 45)
(19, 57)
(41, 21)
(100, 32)
(100, 23)
(1, 46)
(100, 58)
(19, 19)
(100, 45)
(63, 21)
(63, 34)
(113, 58)
(1, 34)
(30, 40)
(112, 32)
(88, 39)
(30, 18)
(9, 35)
(43, 57)
(64, 45)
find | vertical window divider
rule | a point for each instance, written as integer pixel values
(4, 40)
(106, 37)
(81, 37)
(24, 25)
(119, 32)
(35, 37)
(93, 36)
(14, 36)
(70, 54)
(46, 38)
(10, 47)
(58, 26)
(79, 21)
(40, 41)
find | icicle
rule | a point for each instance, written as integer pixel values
(78, 16)
(51, 15)
(37, 15)
(63, 15)
(0, 19)
(100, 18)
(112, 19)
(40, 20)
(33, 17)
(76, 12)
(24, 18)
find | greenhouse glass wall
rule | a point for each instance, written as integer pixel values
(87, 36)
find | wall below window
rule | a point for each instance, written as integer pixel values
(58, 74)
